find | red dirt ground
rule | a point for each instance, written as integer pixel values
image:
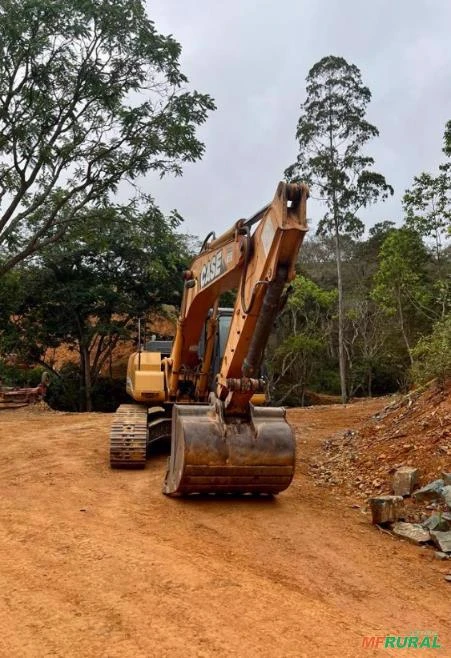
(99, 564)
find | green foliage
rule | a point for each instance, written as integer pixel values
(432, 354)
(380, 230)
(401, 277)
(396, 288)
(401, 285)
(90, 95)
(302, 340)
(428, 207)
(88, 291)
(64, 391)
(309, 300)
(447, 140)
(14, 375)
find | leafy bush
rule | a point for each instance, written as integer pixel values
(21, 377)
(432, 354)
(65, 393)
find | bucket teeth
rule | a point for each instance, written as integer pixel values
(128, 437)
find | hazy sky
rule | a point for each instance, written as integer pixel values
(253, 58)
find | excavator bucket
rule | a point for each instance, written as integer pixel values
(210, 454)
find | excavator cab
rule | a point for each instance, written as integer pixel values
(224, 318)
(223, 321)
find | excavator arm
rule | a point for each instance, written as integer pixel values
(258, 265)
(228, 445)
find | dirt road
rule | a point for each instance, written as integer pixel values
(95, 563)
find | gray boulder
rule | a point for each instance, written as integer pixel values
(432, 491)
(442, 540)
(446, 495)
(414, 532)
(437, 522)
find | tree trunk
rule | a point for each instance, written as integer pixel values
(86, 372)
(403, 329)
(341, 346)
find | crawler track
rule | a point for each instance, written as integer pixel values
(128, 437)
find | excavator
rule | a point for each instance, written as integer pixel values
(205, 390)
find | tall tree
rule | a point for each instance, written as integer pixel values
(90, 95)
(332, 132)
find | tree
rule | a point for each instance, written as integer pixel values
(303, 341)
(364, 343)
(90, 95)
(380, 230)
(447, 140)
(432, 354)
(428, 208)
(401, 286)
(332, 132)
(88, 291)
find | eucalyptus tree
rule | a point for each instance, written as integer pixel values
(332, 133)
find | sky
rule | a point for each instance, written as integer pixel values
(253, 57)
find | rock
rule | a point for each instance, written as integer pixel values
(436, 522)
(414, 532)
(442, 540)
(441, 556)
(386, 509)
(448, 577)
(431, 491)
(446, 478)
(446, 495)
(404, 480)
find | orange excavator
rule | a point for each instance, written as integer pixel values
(205, 390)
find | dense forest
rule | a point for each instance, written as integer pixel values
(92, 97)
